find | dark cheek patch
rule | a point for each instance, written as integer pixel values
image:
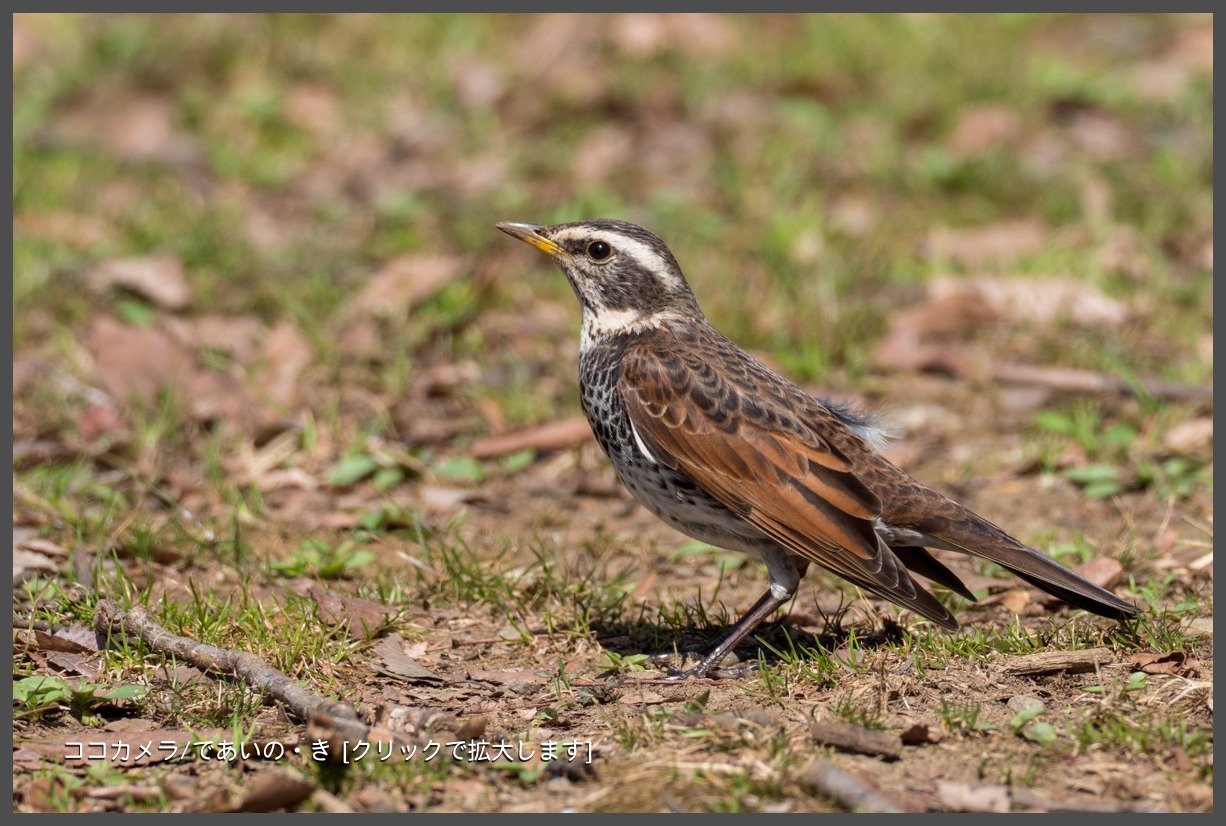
(634, 289)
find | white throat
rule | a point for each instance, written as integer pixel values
(600, 323)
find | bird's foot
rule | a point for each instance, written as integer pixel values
(711, 665)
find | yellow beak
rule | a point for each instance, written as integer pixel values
(531, 234)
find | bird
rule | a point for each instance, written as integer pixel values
(729, 452)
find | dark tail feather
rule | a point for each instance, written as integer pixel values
(919, 561)
(1117, 609)
(979, 537)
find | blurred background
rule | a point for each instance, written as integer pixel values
(267, 215)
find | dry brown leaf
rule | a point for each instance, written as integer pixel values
(642, 697)
(134, 127)
(361, 616)
(73, 641)
(272, 789)
(919, 734)
(64, 228)
(27, 564)
(81, 664)
(237, 336)
(1015, 600)
(1042, 301)
(1179, 663)
(395, 662)
(24, 538)
(1102, 571)
(159, 278)
(981, 128)
(997, 244)
(966, 797)
(135, 361)
(98, 420)
(406, 281)
(697, 35)
(479, 83)
(286, 353)
(505, 677)
(1192, 436)
(314, 108)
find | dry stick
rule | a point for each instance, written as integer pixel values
(1046, 663)
(831, 781)
(329, 716)
(1087, 381)
(857, 739)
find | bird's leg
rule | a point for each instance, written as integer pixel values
(729, 640)
(703, 650)
(785, 571)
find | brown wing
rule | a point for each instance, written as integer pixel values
(764, 463)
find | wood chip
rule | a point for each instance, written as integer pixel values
(1046, 663)
(857, 739)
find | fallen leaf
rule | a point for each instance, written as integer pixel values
(1036, 300)
(98, 420)
(27, 564)
(1191, 436)
(314, 108)
(286, 353)
(505, 677)
(236, 336)
(273, 789)
(57, 642)
(1015, 600)
(998, 244)
(138, 127)
(1103, 571)
(1179, 663)
(36, 543)
(918, 734)
(696, 35)
(361, 617)
(405, 282)
(82, 664)
(135, 361)
(64, 228)
(395, 662)
(982, 128)
(965, 797)
(159, 278)
(643, 697)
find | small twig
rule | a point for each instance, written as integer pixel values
(557, 435)
(328, 716)
(828, 780)
(1087, 381)
(643, 681)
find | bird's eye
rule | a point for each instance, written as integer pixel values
(599, 250)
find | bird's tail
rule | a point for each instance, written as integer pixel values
(970, 533)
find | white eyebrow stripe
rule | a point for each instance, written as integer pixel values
(632, 248)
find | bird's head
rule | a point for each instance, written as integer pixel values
(624, 276)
